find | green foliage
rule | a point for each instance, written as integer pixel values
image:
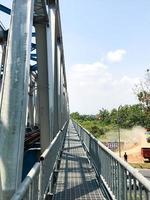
(142, 91)
(96, 131)
(104, 115)
(124, 117)
(94, 127)
(75, 115)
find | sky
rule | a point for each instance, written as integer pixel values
(107, 51)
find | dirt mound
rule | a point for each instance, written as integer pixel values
(133, 142)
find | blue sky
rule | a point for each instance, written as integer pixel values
(93, 29)
(107, 50)
(96, 27)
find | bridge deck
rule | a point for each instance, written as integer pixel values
(76, 177)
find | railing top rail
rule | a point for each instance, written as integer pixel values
(47, 150)
(145, 182)
(22, 191)
(27, 181)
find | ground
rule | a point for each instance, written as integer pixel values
(133, 139)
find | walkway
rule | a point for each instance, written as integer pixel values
(76, 177)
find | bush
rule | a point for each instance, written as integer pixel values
(96, 131)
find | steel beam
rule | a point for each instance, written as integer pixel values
(56, 84)
(36, 109)
(40, 12)
(50, 49)
(62, 87)
(52, 33)
(31, 101)
(59, 84)
(5, 9)
(14, 97)
(44, 83)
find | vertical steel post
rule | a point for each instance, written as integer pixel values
(31, 102)
(50, 49)
(61, 92)
(56, 124)
(14, 97)
(45, 39)
(36, 108)
(59, 84)
(43, 84)
(55, 28)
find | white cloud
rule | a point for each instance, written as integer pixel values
(83, 74)
(92, 86)
(116, 56)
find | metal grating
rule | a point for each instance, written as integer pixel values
(76, 177)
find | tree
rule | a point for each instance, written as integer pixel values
(104, 116)
(113, 116)
(142, 91)
(75, 115)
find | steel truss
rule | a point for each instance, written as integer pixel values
(34, 87)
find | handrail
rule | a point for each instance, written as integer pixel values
(49, 160)
(121, 179)
(40, 178)
(133, 171)
(22, 191)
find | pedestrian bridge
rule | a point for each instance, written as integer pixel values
(77, 166)
(43, 153)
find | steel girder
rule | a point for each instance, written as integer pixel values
(46, 88)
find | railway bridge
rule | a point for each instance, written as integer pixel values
(43, 153)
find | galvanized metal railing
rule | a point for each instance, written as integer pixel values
(122, 181)
(29, 188)
(40, 178)
(49, 160)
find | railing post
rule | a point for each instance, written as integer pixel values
(121, 182)
(40, 181)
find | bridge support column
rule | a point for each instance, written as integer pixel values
(31, 102)
(59, 83)
(52, 28)
(14, 97)
(45, 83)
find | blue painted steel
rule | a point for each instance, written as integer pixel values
(34, 34)
(30, 157)
(33, 56)
(34, 67)
(33, 46)
(5, 9)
